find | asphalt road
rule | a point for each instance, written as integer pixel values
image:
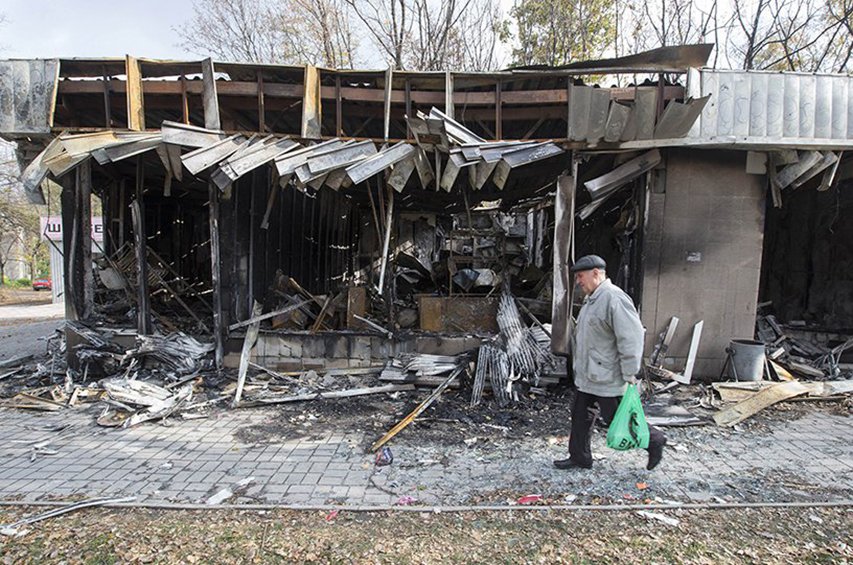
(24, 327)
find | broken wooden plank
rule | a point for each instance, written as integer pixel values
(274, 189)
(135, 100)
(332, 394)
(268, 315)
(387, 240)
(210, 99)
(248, 344)
(694, 349)
(563, 248)
(659, 352)
(805, 370)
(312, 110)
(374, 325)
(781, 371)
(15, 361)
(758, 402)
(417, 411)
(28, 401)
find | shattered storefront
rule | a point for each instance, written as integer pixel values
(308, 219)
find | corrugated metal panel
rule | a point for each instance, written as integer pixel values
(765, 106)
(27, 92)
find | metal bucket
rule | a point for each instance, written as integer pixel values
(747, 359)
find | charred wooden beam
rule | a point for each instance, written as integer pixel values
(312, 110)
(137, 212)
(135, 98)
(210, 98)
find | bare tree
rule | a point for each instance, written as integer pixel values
(433, 35)
(320, 31)
(388, 23)
(793, 35)
(454, 34)
(236, 30)
(270, 31)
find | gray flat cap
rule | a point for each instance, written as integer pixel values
(588, 262)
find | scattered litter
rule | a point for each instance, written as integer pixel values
(406, 501)
(529, 499)
(228, 492)
(663, 518)
(384, 457)
(14, 529)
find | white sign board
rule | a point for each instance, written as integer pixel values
(51, 228)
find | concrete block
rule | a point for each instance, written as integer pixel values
(313, 346)
(336, 346)
(285, 365)
(316, 363)
(359, 347)
(338, 363)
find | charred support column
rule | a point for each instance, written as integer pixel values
(216, 276)
(77, 251)
(561, 305)
(137, 212)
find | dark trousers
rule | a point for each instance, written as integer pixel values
(583, 416)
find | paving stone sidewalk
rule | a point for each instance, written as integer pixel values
(803, 459)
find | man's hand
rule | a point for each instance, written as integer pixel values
(631, 380)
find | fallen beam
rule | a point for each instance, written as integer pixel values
(332, 394)
(268, 315)
(758, 402)
(416, 412)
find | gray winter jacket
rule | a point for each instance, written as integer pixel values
(607, 342)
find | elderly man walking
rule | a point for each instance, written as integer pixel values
(607, 349)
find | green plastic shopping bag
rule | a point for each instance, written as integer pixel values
(629, 429)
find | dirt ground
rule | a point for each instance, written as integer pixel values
(10, 296)
(797, 535)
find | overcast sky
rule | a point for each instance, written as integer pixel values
(92, 28)
(97, 28)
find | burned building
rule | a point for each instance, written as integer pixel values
(345, 217)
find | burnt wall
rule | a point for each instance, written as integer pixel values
(703, 246)
(808, 257)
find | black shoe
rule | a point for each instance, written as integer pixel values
(655, 455)
(568, 464)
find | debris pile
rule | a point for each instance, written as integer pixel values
(786, 353)
(422, 369)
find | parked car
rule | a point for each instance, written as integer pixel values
(41, 284)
